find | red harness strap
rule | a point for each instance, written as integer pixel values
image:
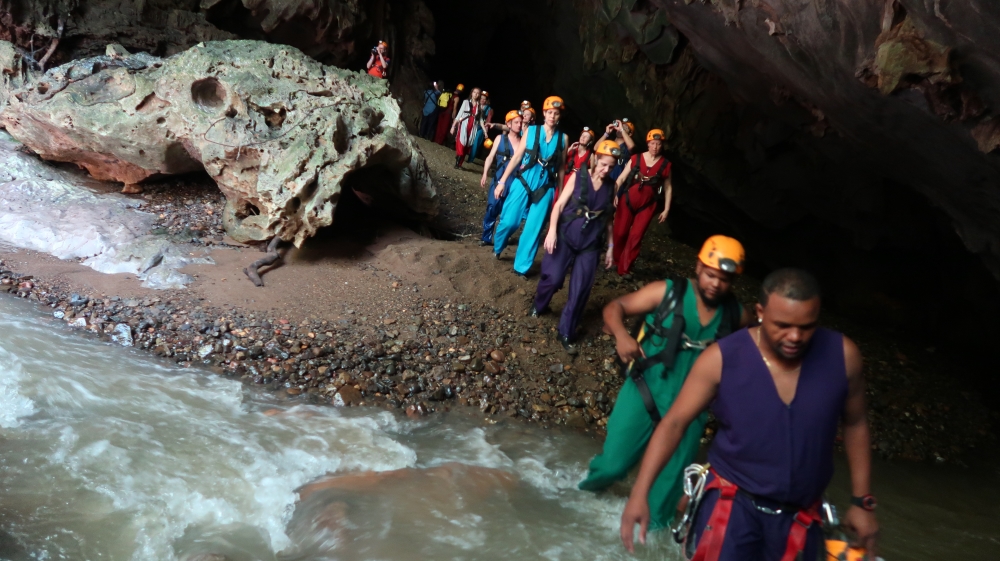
(710, 544)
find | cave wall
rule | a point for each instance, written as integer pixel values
(854, 138)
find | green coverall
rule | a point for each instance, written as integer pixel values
(629, 426)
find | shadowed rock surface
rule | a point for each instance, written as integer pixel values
(280, 133)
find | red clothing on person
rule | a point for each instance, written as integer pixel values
(379, 71)
(444, 121)
(636, 207)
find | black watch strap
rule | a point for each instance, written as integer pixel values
(866, 502)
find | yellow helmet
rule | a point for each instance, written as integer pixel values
(608, 148)
(511, 115)
(488, 143)
(723, 253)
(460, 87)
(655, 134)
(553, 102)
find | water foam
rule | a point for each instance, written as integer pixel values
(13, 405)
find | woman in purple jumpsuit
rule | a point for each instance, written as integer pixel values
(579, 227)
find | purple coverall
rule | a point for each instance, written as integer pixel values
(580, 244)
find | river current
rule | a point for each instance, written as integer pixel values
(109, 454)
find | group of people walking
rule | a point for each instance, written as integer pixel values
(779, 389)
(587, 203)
(469, 120)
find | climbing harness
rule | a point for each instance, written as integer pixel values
(580, 194)
(674, 338)
(653, 180)
(536, 196)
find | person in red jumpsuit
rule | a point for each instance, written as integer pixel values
(448, 114)
(642, 184)
(378, 63)
(578, 155)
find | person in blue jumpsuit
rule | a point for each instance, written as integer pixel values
(484, 121)
(536, 168)
(579, 229)
(503, 148)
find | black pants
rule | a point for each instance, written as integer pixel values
(428, 125)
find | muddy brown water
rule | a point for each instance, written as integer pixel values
(106, 453)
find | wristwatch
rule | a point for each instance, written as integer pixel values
(866, 502)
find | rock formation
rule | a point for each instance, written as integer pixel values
(280, 133)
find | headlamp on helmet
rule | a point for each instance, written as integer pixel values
(525, 105)
(655, 134)
(511, 115)
(460, 87)
(723, 253)
(553, 102)
(608, 148)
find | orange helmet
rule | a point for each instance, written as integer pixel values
(553, 102)
(511, 115)
(628, 124)
(655, 134)
(384, 44)
(525, 105)
(460, 87)
(484, 94)
(608, 148)
(488, 143)
(723, 253)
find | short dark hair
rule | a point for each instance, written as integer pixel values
(794, 284)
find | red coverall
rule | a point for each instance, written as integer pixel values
(636, 207)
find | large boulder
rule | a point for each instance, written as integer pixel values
(280, 133)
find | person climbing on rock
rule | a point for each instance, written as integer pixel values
(501, 152)
(644, 182)
(448, 102)
(378, 63)
(621, 131)
(682, 317)
(535, 169)
(579, 230)
(484, 120)
(578, 155)
(779, 391)
(464, 127)
(428, 124)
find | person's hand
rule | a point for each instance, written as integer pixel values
(628, 349)
(498, 192)
(636, 512)
(862, 523)
(482, 182)
(550, 242)
(662, 217)
(616, 201)
(609, 259)
(573, 146)
(609, 130)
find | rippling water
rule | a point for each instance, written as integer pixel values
(106, 453)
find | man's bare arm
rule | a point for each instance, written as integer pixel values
(642, 301)
(857, 445)
(698, 391)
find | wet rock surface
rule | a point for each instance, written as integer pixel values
(418, 354)
(281, 134)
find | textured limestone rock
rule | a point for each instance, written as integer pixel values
(280, 133)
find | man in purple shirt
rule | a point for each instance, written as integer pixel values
(779, 391)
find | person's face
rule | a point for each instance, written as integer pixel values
(526, 117)
(788, 325)
(552, 117)
(603, 165)
(381, 49)
(585, 138)
(475, 94)
(515, 125)
(654, 146)
(713, 284)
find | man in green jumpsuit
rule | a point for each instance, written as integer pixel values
(709, 310)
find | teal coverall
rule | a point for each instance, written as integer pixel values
(629, 426)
